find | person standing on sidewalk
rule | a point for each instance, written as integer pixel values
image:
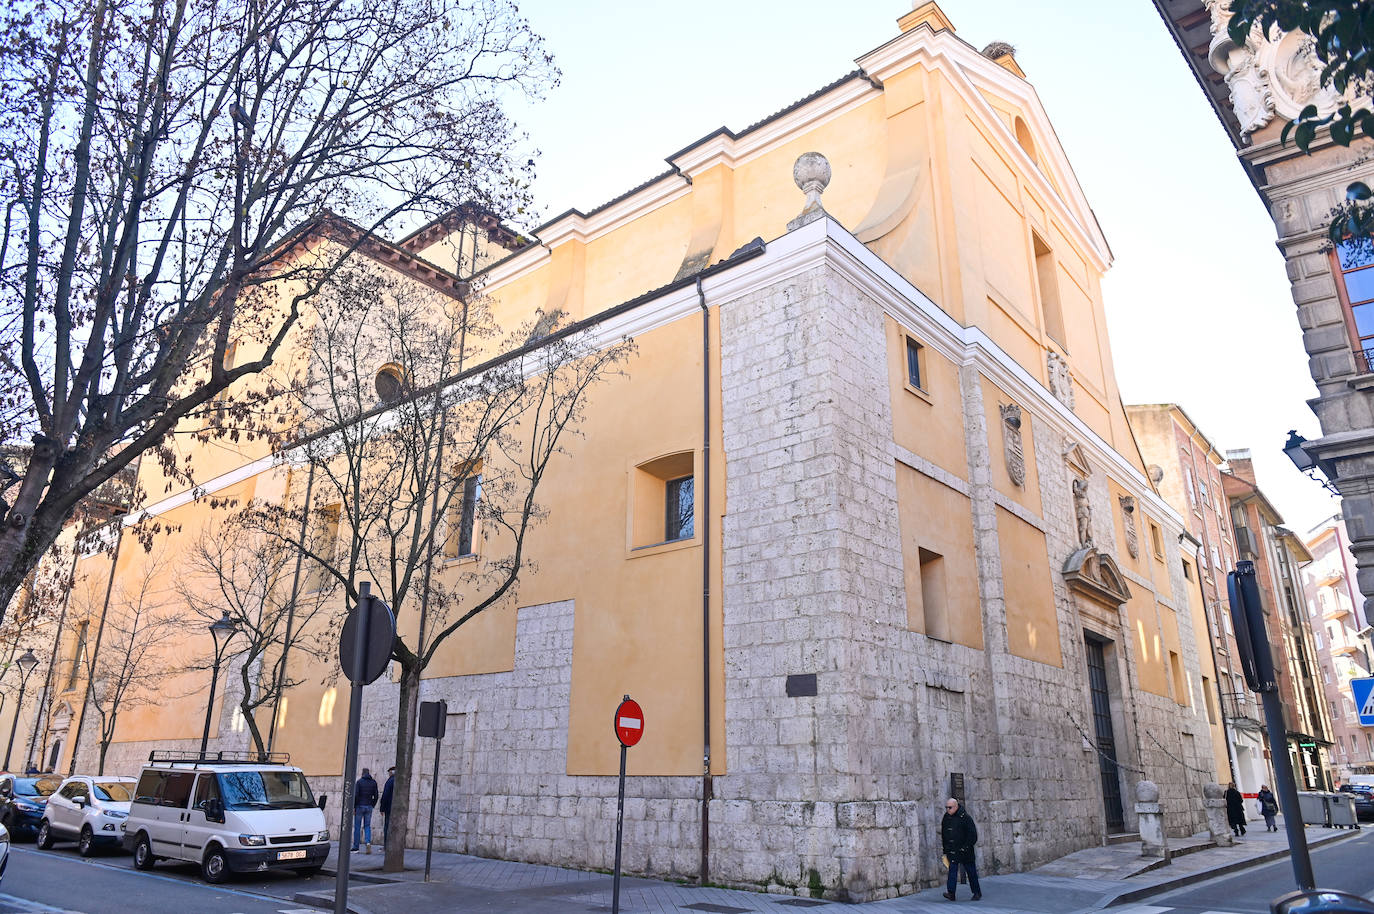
(1268, 807)
(385, 805)
(364, 798)
(1235, 809)
(958, 835)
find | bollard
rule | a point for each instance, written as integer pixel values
(1153, 842)
(1214, 802)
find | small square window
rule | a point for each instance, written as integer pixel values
(680, 506)
(913, 363)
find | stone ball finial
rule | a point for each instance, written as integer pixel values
(811, 172)
(1213, 791)
(1147, 792)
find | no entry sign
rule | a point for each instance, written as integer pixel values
(629, 722)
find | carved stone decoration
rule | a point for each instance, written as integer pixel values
(1269, 77)
(1128, 521)
(1091, 574)
(1061, 382)
(1011, 442)
(1083, 512)
(811, 172)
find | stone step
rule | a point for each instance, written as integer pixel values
(1123, 838)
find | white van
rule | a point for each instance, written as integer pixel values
(230, 815)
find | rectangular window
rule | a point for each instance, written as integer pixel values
(462, 518)
(324, 542)
(1180, 683)
(78, 655)
(1048, 282)
(913, 363)
(1209, 699)
(1187, 569)
(663, 500)
(1156, 540)
(679, 509)
(934, 599)
(1353, 261)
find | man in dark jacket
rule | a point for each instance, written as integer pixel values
(364, 798)
(958, 835)
(385, 805)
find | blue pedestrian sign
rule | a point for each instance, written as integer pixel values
(1364, 700)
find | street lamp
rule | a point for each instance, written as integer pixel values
(1295, 448)
(222, 629)
(26, 662)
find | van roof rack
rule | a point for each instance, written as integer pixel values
(220, 757)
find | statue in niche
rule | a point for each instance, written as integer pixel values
(1011, 442)
(1083, 512)
(1061, 382)
(1128, 521)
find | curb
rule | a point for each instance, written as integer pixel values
(1162, 887)
(361, 877)
(325, 900)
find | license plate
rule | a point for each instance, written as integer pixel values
(290, 855)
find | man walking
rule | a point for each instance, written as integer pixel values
(364, 798)
(958, 835)
(385, 804)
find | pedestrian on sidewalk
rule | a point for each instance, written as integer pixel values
(364, 798)
(958, 835)
(1268, 807)
(385, 805)
(1235, 809)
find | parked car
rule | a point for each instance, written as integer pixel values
(22, 800)
(1362, 796)
(228, 816)
(4, 850)
(87, 810)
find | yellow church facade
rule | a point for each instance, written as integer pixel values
(920, 553)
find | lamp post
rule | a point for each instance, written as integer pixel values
(222, 629)
(26, 662)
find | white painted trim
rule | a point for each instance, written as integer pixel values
(931, 470)
(209, 487)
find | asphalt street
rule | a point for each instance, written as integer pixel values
(61, 881)
(1344, 865)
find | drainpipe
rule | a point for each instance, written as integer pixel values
(706, 786)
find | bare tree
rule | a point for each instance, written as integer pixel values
(158, 163)
(235, 569)
(427, 460)
(139, 629)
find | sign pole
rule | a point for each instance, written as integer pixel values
(628, 724)
(433, 802)
(355, 720)
(619, 824)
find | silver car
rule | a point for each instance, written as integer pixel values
(89, 810)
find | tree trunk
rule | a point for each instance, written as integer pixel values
(21, 549)
(398, 822)
(248, 710)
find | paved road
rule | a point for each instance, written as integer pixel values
(1344, 865)
(46, 882)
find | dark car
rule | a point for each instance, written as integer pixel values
(1362, 795)
(22, 801)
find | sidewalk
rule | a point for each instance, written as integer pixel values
(1088, 880)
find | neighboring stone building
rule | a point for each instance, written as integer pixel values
(1336, 614)
(1278, 554)
(1255, 90)
(1190, 477)
(918, 550)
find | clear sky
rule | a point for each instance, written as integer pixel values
(1198, 303)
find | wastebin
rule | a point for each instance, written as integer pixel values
(1320, 901)
(1314, 807)
(1342, 810)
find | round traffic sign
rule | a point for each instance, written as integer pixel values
(629, 722)
(364, 659)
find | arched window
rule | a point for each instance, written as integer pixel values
(390, 383)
